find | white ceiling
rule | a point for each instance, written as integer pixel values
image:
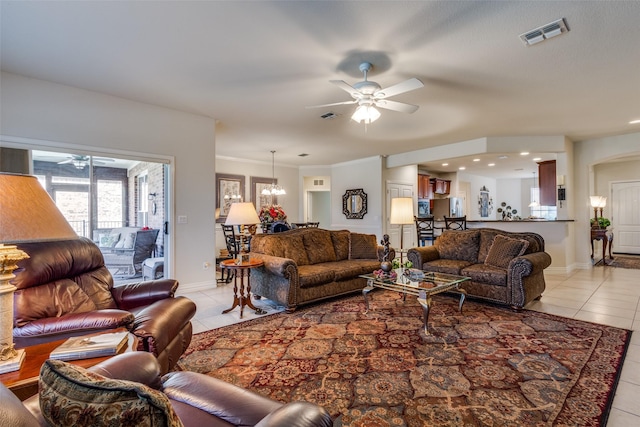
(254, 66)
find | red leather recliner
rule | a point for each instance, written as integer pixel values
(198, 400)
(64, 290)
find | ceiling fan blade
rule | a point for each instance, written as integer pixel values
(64, 162)
(331, 105)
(396, 106)
(405, 86)
(345, 87)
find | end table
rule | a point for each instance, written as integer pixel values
(244, 296)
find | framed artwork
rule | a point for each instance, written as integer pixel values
(257, 185)
(485, 203)
(230, 190)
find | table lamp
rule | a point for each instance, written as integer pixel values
(597, 202)
(242, 213)
(27, 214)
(401, 214)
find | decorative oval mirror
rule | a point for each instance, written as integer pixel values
(354, 203)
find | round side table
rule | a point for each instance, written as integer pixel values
(243, 297)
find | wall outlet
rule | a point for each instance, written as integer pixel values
(206, 265)
(182, 219)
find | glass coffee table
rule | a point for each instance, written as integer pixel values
(424, 288)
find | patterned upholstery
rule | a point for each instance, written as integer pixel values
(504, 249)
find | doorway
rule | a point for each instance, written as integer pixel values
(399, 190)
(626, 216)
(319, 208)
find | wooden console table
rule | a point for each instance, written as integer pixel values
(24, 382)
(607, 240)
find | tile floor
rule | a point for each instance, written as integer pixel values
(605, 295)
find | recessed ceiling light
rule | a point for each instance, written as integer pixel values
(302, 155)
(524, 153)
(462, 168)
(491, 164)
(476, 160)
(445, 164)
(503, 157)
(634, 122)
(535, 159)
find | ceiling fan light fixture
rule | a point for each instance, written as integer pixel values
(366, 114)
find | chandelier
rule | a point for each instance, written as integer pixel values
(273, 189)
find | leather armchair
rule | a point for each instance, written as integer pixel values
(197, 399)
(64, 290)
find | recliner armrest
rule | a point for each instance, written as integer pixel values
(157, 324)
(134, 295)
(137, 366)
(297, 414)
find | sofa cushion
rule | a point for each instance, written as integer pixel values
(484, 273)
(348, 269)
(488, 234)
(340, 240)
(363, 246)
(459, 245)
(319, 246)
(70, 395)
(503, 250)
(448, 266)
(315, 274)
(283, 245)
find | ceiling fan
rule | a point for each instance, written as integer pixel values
(80, 161)
(369, 94)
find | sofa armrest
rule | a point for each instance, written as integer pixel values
(73, 324)
(297, 414)
(283, 267)
(134, 295)
(157, 324)
(418, 256)
(226, 401)
(530, 264)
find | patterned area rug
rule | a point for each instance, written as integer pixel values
(625, 261)
(488, 366)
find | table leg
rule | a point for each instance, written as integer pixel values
(604, 250)
(365, 293)
(610, 245)
(426, 304)
(236, 300)
(463, 296)
(246, 300)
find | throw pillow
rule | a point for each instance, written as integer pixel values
(71, 395)
(363, 246)
(319, 246)
(129, 240)
(503, 250)
(108, 240)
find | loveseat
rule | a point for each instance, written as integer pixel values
(304, 265)
(128, 389)
(65, 290)
(504, 267)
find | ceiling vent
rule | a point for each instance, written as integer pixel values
(545, 32)
(329, 116)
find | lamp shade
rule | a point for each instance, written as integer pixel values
(242, 214)
(401, 210)
(28, 213)
(598, 201)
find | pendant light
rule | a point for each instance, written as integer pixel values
(273, 189)
(534, 203)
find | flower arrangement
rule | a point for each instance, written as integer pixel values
(602, 223)
(271, 214)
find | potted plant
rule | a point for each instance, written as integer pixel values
(602, 223)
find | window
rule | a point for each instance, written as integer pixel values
(543, 212)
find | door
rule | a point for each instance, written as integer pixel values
(626, 217)
(319, 208)
(408, 241)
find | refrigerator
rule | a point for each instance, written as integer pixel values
(452, 206)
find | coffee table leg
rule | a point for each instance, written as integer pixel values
(426, 304)
(365, 293)
(463, 295)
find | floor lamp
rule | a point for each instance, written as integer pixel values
(401, 214)
(27, 214)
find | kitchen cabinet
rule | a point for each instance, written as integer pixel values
(425, 189)
(441, 186)
(547, 182)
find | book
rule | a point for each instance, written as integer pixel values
(12, 364)
(86, 347)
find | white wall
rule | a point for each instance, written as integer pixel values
(34, 110)
(476, 183)
(587, 154)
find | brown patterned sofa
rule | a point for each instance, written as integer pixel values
(504, 267)
(304, 265)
